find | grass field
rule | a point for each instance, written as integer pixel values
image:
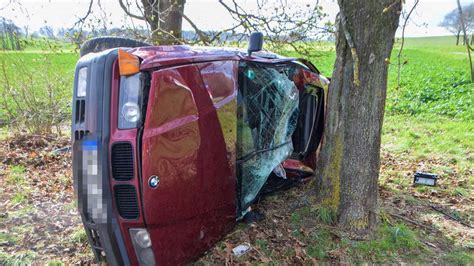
(36, 89)
(429, 126)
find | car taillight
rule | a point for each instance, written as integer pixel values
(130, 96)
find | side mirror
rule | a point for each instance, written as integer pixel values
(255, 42)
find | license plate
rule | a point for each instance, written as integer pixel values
(92, 182)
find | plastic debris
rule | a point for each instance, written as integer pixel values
(280, 171)
(61, 150)
(426, 179)
(241, 249)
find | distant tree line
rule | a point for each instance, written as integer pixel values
(452, 22)
(9, 35)
(14, 37)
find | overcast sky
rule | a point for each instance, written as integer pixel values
(207, 14)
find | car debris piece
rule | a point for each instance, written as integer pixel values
(241, 249)
(426, 179)
(61, 150)
(280, 171)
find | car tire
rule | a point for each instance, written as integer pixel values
(103, 43)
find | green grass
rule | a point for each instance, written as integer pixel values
(429, 42)
(459, 258)
(262, 244)
(20, 197)
(6, 237)
(435, 79)
(70, 206)
(19, 214)
(16, 175)
(392, 244)
(326, 215)
(16, 178)
(19, 258)
(55, 263)
(38, 62)
(426, 137)
(79, 235)
(322, 244)
(33, 71)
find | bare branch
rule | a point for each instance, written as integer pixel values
(204, 38)
(403, 41)
(127, 10)
(466, 42)
(282, 24)
(81, 20)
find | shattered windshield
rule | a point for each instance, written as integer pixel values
(267, 117)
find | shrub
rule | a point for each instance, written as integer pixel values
(35, 92)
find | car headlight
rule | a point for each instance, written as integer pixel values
(131, 112)
(82, 82)
(130, 96)
(147, 257)
(142, 238)
(142, 243)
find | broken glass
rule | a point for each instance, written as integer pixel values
(267, 117)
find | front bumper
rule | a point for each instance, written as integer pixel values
(95, 201)
(90, 137)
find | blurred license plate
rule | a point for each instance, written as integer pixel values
(92, 181)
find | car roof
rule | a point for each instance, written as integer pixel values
(170, 55)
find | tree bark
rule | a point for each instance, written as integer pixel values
(349, 163)
(457, 36)
(4, 43)
(165, 20)
(465, 40)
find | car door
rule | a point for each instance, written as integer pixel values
(187, 144)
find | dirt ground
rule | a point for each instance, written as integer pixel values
(39, 221)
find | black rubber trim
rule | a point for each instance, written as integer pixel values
(100, 44)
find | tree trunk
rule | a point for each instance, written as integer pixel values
(465, 40)
(165, 20)
(457, 36)
(12, 39)
(349, 163)
(4, 44)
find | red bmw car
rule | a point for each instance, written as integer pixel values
(172, 144)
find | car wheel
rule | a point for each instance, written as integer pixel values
(103, 43)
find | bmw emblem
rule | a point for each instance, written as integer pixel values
(154, 181)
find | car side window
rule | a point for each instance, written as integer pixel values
(266, 119)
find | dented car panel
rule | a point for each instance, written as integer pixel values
(189, 142)
(184, 146)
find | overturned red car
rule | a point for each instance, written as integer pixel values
(172, 144)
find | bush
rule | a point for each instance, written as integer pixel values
(35, 92)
